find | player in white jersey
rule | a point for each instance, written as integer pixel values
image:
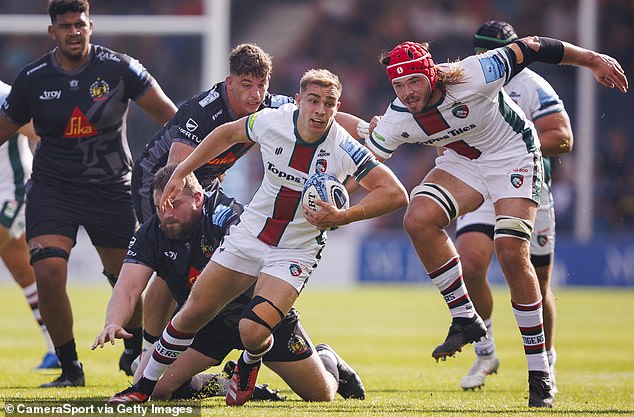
(16, 160)
(474, 231)
(278, 242)
(492, 152)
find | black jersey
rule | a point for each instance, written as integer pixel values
(194, 120)
(80, 115)
(179, 262)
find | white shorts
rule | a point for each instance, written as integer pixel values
(15, 169)
(543, 236)
(520, 177)
(12, 217)
(242, 252)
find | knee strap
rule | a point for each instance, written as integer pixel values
(39, 253)
(249, 312)
(439, 195)
(112, 278)
(509, 226)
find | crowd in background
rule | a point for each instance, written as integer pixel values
(347, 36)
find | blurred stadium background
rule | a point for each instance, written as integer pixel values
(184, 44)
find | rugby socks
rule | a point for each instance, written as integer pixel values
(330, 362)
(530, 321)
(448, 279)
(552, 357)
(30, 293)
(485, 346)
(67, 354)
(251, 358)
(148, 341)
(171, 344)
(132, 346)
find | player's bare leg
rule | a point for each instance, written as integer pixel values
(49, 254)
(15, 255)
(432, 207)
(515, 219)
(476, 251)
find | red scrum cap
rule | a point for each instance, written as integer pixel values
(410, 58)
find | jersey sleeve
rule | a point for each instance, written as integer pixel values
(220, 213)
(385, 138)
(275, 101)
(141, 249)
(136, 77)
(16, 105)
(544, 101)
(256, 124)
(357, 159)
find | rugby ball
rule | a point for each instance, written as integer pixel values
(325, 187)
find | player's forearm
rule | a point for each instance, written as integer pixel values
(216, 142)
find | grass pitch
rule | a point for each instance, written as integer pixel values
(387, 334)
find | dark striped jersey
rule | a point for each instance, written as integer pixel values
(179, 262)
(79, 115)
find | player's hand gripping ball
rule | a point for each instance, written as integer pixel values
(327, 188)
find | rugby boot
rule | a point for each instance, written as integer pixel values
(125, 362)
(350, 384)
(462, 331)
(130, 395)
(73, 377)
(242, 384)
(482, 367)
(49, 361)
(540, 392)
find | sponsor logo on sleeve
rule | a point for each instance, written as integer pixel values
(492, 68)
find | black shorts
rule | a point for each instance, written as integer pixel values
(141, 193)
(105, 212)
(220, 336)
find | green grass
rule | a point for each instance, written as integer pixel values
(387, 334)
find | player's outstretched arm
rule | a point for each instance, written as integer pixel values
(606, 70)
(217, 141)
(132, 280)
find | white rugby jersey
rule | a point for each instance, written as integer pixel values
(475, 117)
(275, 214)
(16, 161)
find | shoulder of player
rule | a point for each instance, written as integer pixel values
(275, 101)
(38, 66)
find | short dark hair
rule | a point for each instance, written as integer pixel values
(57, 7)
(250, 59)
(163, 175)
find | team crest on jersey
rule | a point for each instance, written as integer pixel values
(99, 90)
(192, 277)
(542, 240)
(461, 111)
(295, 269)
(79, 126)
(321, 166)
(517, 180)
(297, 345)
